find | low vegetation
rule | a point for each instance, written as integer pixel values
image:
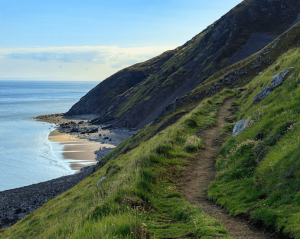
(259, 169)
(139, 197)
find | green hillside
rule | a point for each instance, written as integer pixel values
(258, 170)
(136, 194)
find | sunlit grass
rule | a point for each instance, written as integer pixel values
(139, 195)
(259, 169)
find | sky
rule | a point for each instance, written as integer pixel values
(93, 39)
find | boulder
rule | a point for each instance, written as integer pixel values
(240, 126)
(92, 130)
(276, 81)
(107, 127)
(74, 130)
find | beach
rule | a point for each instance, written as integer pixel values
(87, 137)
(84, 145)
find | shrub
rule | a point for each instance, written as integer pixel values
(162, 149)
(191, 123)
(180, 137)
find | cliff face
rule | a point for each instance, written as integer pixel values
(135, 96)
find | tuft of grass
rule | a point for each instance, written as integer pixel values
(192, 144)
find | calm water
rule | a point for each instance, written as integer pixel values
(26, 155)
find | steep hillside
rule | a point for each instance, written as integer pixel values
(99, 99)
(259, 168)
(141, 196)
(238, 74)
(244, 30)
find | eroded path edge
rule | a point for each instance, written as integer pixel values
(201, 172)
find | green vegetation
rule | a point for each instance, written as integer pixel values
(139, 196)
(259, 169)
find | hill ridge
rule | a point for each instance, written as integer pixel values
(213, 49)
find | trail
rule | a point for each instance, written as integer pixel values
(201, 172)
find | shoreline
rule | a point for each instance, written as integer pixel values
(79, 126)
(77, 153)
(16, 203)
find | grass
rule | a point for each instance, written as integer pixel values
(259, 169)
(139, 196)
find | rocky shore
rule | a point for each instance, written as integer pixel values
(81, 127)
(15, 204)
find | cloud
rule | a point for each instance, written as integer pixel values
(97, 62)
(58, 56)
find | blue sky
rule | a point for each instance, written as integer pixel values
(90, 39)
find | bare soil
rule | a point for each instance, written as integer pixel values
(201, 172)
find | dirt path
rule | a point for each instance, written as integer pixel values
(202, 171)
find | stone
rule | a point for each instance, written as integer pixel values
(240, 126)
(18, 211)
(100, 181)
(74, 130)
(16, 203)
(92, 130)
(7, 220)
(276, 81)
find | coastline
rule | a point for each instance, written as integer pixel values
(16, 203)
(79, 126)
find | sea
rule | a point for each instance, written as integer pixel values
(26, 155)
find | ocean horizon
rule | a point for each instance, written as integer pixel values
(26, 155)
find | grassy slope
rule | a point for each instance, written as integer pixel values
(265, 185)
(101, 97)
(139, 193)
(140, 190)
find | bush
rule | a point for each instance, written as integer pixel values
(180, 137)
(163, 149)
(191, 123)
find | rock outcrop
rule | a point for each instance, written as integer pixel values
(240, 126)
(276, 81)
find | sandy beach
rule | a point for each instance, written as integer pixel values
(77, 152)
(83, 144)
